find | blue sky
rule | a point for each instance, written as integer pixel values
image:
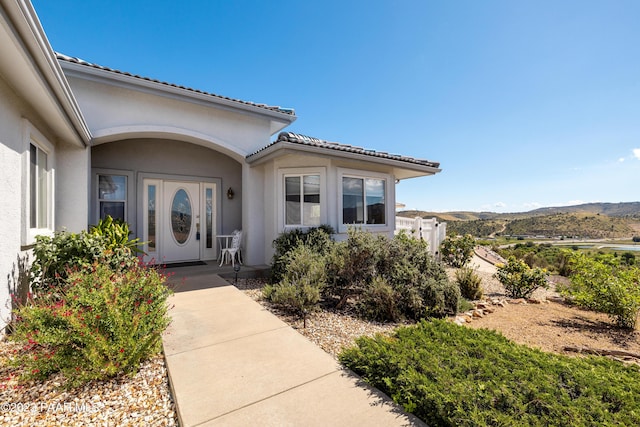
(524, 103)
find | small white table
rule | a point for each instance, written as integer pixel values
(224, 242)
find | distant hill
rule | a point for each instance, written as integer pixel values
(626, 209)
(590, 220)
(629, 209)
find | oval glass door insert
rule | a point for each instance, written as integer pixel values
(181, 216)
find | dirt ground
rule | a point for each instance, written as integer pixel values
(551, 326)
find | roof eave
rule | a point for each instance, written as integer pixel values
(41, 59)
(402, 169)
(279, 120)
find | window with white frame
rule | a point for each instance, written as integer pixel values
(40, 188)
(38, 184)
(302, 200)
(112, 196)
(364, 200)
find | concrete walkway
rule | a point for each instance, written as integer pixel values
(233, 363)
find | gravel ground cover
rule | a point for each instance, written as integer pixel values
(141, 400)
(329, 329)
(549, 326)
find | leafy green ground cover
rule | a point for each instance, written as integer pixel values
(449, 375)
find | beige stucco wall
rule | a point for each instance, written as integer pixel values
(115, 109)
(70, 177)
(72, 187)
(11, 148)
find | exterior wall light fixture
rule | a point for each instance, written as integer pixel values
(230, 193)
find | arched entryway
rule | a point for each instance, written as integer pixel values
(170, 192)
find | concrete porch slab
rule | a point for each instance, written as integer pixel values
(209, 316)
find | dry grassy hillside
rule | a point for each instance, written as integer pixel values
(582, 225)
(593, 221)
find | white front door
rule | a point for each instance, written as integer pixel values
(180, 221)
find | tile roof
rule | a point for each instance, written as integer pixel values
(296, 138)
(62, 57)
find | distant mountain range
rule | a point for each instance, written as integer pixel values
(626, 209)
(589, 220)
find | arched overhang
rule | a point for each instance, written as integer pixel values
(119, 133)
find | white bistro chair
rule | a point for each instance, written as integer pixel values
(229, 254)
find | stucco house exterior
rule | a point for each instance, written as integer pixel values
(79, 141)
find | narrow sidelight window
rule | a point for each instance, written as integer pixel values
(209, 217)
(39, 193)
(151, 218)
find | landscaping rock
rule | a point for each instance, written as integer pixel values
(460, 320)
(119, 401)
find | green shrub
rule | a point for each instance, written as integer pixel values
(117, 234)
(318, 239)
(457, 251)
(440, 298)
(421, 281)
(469, 282)
(519, 280)
(629, 258)
(449, 375)
(543, 255)
(605, 287)
(386, 279)
(57, 256)
(399, 274)
(352, 264)
(300, 288)
(100, 324)
(465, 305)
(380, 302)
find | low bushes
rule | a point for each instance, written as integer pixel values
(318, 239)
(64, 252)
(99, 324)
(450, 375)
(302, 281)
(95, 311)
(353, 264)
(606, 287)
(385, 279)
(519, 280)
(469, 282)
(457, 250)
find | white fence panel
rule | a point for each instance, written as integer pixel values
(430, 230)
